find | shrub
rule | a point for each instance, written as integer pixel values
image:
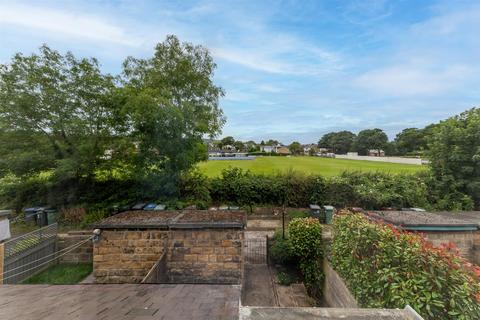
(306, 242)
(74, 215)
(387, 268)
(281, 250)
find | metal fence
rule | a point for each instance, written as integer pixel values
(256, 250)
(29, 254)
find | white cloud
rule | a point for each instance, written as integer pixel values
(407, 80)
(65, 23)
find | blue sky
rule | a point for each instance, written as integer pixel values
(292, 70)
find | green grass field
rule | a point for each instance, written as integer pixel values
(308, 165)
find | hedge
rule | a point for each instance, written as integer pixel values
(239, 187)
(293, 189)
(388, 268)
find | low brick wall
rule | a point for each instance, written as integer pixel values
(81, 254)
(335, 292)
(193, 256)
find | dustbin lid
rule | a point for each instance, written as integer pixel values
(314, 207)
(328, 207)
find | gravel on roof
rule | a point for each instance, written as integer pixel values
(174, 219)
(405, 218)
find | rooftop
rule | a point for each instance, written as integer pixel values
(415, 220)
(119, 302)
(184, 219)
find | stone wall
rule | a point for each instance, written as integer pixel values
(464, 241)
(126, 256)
(193, 256)
(81, 254)
(335, 292)
(476, 247)
(205, 256)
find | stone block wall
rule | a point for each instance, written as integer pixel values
(464, 241)
(126, 256)
(205, 256)
(476, 247)
(81, 254)
(192, 256)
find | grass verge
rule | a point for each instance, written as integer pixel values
(61, 274)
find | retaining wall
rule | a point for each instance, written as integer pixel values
(335, 292)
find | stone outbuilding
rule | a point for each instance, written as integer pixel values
(190, 246)
(460, 228)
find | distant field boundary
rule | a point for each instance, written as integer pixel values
(416, 161)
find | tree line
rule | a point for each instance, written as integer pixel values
(409, 142)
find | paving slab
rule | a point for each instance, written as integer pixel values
(119, 302)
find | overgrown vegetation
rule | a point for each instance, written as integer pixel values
(366, 190)
(384, 267)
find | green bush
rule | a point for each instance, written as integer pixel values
(305, 236)
(281, 250)
(387, 268)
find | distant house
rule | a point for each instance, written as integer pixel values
(283, 150)
(268, 149)
(308, 147)
(376, 153)
(322, 152)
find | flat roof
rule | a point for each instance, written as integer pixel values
(425, 221)
(119, 302)
(181, 219)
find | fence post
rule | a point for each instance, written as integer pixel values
(267, 244)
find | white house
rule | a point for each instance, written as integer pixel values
(268, 149)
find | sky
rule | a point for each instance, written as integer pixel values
(292, 70)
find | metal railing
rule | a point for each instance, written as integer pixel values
(28, 254)
(255, 250)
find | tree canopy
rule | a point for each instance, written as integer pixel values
(62, 116)
(338, 142)
(370, 139)
(454, 152)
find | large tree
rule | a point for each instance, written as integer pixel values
(171, 103)
(55, 114)
(370, 139)
(338, 142)
(454, 152)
